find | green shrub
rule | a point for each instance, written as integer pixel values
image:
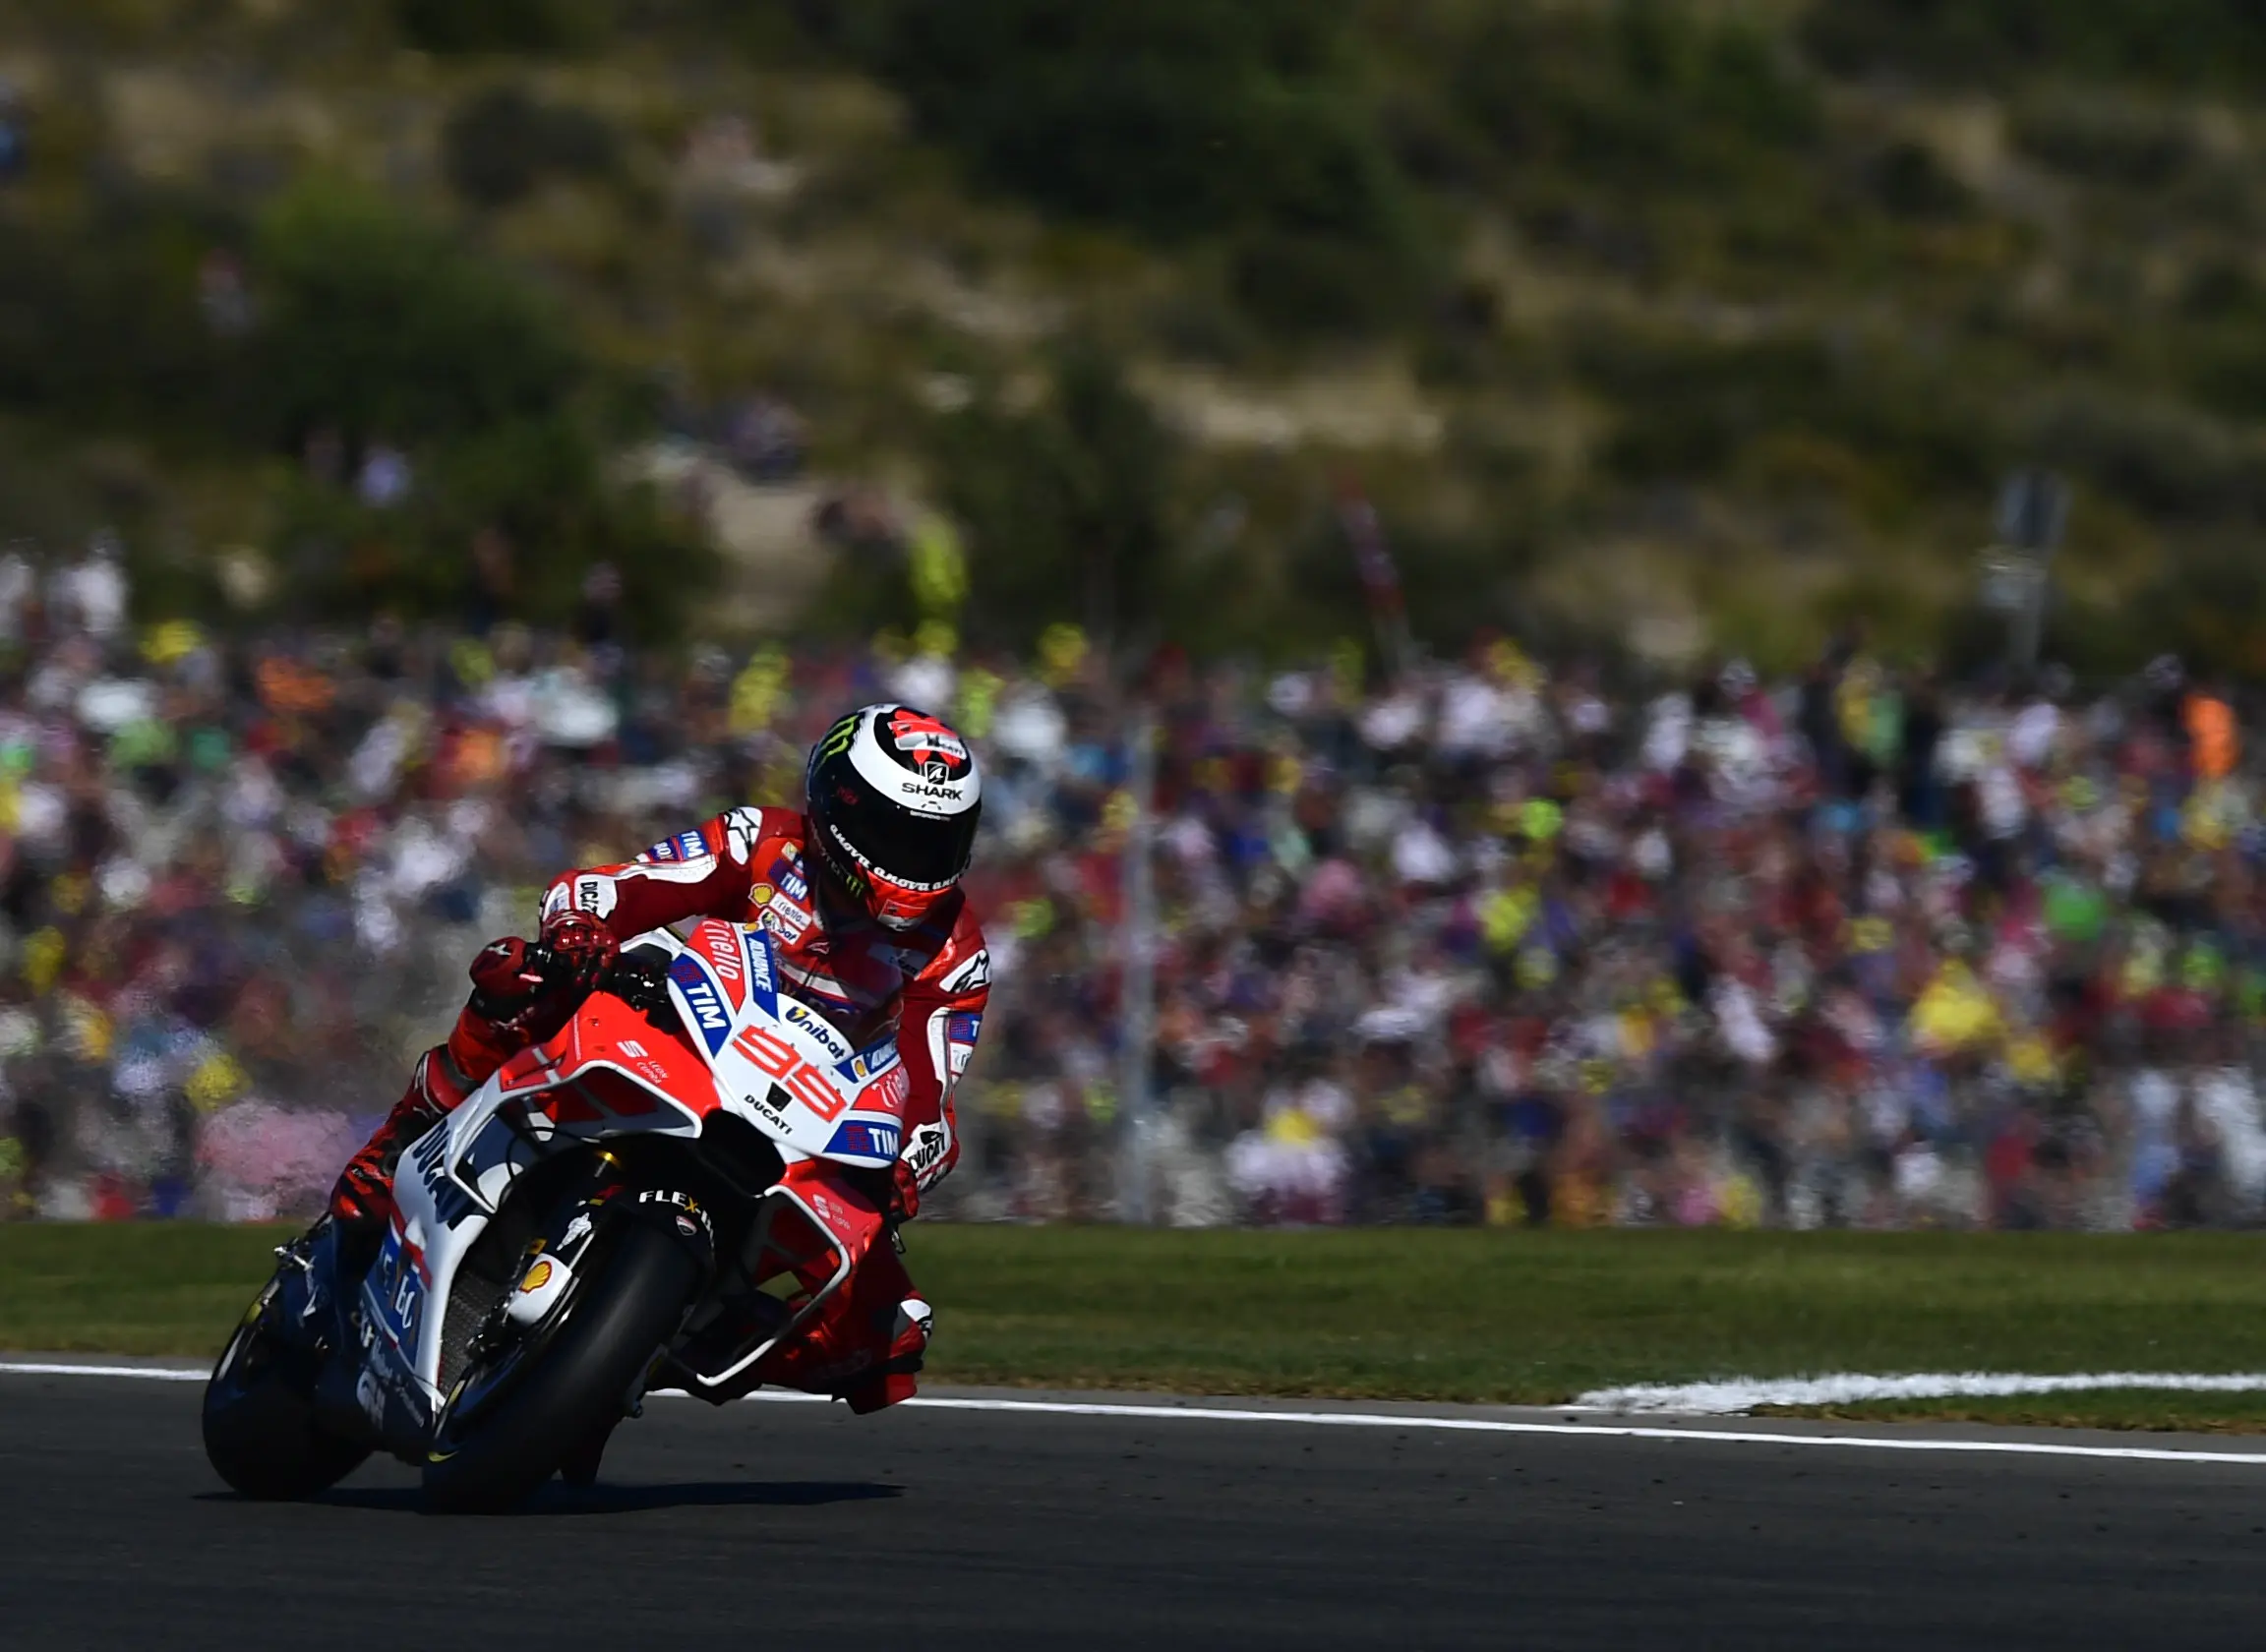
(2183, 42)
(2160, 456)
(380, 328)
(381, 325)
(1909, 182)
(1640, 95)
(1062, 505)
(502, 26)
(98, 322)
(2208, 606)
(2225, 368)
(1690, 406)
(1174, 116)
(2106, 141)
(1177, 119)
(499, 143)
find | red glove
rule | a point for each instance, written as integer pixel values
(903, 1193)
(506, 978)
(582, 950)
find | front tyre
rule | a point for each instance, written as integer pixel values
(260, 1434)
(503, 1434)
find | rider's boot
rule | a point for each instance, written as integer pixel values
(866, 1343)
(363, 1196)
(893, 1383)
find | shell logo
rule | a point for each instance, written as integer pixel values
(538, 1276)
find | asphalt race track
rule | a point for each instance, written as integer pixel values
(792, 1525)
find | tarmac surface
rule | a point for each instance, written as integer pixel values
(776, 1526)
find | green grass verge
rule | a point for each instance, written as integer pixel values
(1438, 1315)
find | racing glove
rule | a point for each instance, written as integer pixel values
(579, 950)
(536, 984)
(506, 977)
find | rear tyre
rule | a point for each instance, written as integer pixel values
(259, 1430)
(492, 1457)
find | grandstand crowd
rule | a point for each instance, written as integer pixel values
(1480, 940)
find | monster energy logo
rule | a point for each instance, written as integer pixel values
(838, 736)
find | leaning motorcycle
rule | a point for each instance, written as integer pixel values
(663, 1194)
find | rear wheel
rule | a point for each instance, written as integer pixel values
(520, 1410)
(260, 1434)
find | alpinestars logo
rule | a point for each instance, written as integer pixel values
(928, 747)
(975, 976)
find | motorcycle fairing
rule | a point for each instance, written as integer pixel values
(805, 1199)
(609, 1073)
(777, 1061)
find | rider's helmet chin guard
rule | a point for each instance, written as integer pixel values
(893, 800)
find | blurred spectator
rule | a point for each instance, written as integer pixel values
(15, 144)
(90, 593)
(223, 295)
(385, 479)
(762, 440)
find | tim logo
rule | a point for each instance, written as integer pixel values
(874, 1141)
(685, 846)
(703, 1000)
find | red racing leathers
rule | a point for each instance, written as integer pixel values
(929, 982)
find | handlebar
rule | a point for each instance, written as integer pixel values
(640, 980)
(642, 983)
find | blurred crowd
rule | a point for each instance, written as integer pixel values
(1485, 940)
(1493, 943)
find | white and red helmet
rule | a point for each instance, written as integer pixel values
(893, 800)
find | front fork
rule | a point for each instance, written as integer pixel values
(320, 1274)
(551, 1269)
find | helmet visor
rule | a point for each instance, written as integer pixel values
(920, 853)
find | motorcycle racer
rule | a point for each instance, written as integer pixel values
(861, 895)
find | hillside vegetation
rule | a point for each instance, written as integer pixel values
(1661, 322)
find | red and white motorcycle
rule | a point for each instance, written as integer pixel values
(662, 1194)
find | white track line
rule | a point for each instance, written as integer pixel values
(1744, 1393)
(1167, 1413)
(1617, 1430)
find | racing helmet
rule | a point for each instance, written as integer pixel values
(893, 795)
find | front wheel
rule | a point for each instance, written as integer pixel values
(260, 1434)
(505, 1432)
